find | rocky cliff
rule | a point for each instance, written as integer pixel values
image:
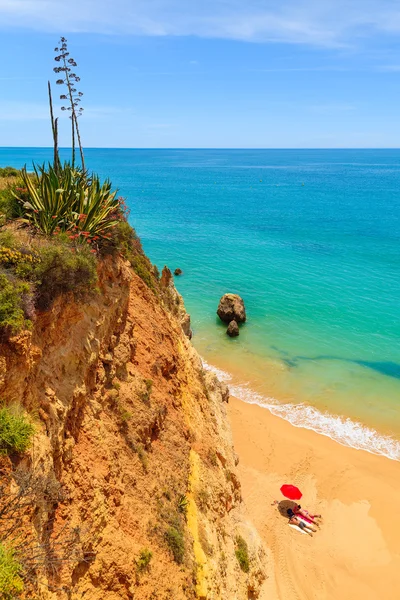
(132, 433)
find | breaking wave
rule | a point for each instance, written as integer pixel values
(339, 428)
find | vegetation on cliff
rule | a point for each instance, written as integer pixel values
(54, 230)
(15, 431)
(11, 583)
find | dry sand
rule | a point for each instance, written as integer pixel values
(356, 553)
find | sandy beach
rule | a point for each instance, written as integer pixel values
(356, 553)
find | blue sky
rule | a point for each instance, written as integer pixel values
(202, 73)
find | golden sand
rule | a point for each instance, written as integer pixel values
(356, 553)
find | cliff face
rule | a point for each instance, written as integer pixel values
(135, 432)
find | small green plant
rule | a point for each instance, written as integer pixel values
(242, 554)
(145, 394)
(143, 560)
(15, 431)
(125, 415)
(142, 454)
(176, 543)
(11, 582)
(183, 503)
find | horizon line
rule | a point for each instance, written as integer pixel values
(209, 148)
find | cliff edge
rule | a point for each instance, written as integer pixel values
(142, 494)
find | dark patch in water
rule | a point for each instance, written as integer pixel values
(388, 368)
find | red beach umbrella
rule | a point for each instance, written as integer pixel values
(291, 491)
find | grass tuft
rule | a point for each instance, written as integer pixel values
(15, 431)
(143, 560)
(242, 554)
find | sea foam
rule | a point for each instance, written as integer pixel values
(339, 428)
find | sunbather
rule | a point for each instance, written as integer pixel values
(306, 528)
(304, 514)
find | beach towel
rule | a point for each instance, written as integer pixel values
(297, 528)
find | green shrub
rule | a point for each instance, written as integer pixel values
(242, 554)
(124, 239)
(143, 560)
(8, 172)
(11, 583)
(8, 205)
(7, 239)
(142, 267)
(15, 431)
(12, 295)
(63, 269)
(176, 543)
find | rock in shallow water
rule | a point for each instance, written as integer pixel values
(178, 272)
(233, 329)
(231, 308)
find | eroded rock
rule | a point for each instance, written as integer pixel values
(233, 329)
(231, 308)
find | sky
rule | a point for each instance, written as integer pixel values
(206, 73)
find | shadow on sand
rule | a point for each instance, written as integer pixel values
(284, 505)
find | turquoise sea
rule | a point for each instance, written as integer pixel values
(311, 240)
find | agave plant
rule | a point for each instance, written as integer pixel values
(68, 200)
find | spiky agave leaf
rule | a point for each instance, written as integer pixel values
(69, 199)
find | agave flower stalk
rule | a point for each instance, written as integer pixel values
(70, 80)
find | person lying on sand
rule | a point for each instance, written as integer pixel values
(304, 514)
(306, 528)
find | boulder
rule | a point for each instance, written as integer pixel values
(233, 329)
(178, 272)
(231, 308)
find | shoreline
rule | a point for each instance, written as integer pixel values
(355, 553)
(341, 429)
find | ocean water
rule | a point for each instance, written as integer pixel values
(311, 240)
